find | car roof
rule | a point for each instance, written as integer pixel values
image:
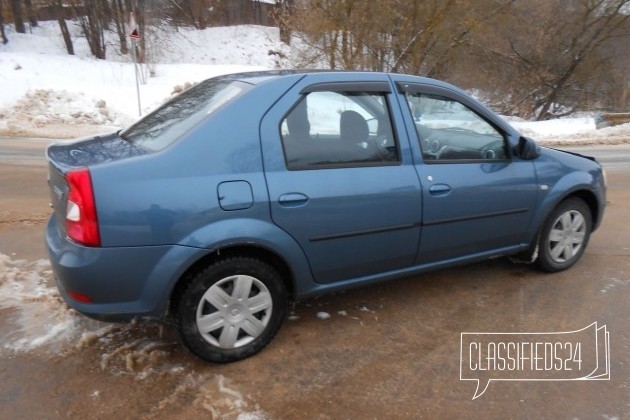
(258, 77)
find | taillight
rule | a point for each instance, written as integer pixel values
(81, 221)
(79, 297)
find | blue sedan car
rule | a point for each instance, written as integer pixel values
(252, 190)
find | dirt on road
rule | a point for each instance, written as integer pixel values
(385, 351)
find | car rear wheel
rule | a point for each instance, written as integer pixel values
(231, 310)
(565, 235)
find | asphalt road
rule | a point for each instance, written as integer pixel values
(24, 151)
(386, 351)
(612, 158)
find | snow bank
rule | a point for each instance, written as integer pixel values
(610, 135)
(42, 108)
(572, 131)
(76, 90)
(554, 128)
(71, 90)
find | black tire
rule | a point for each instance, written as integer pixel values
(558, 247)
(235, 313)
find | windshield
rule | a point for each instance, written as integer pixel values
(170, 121)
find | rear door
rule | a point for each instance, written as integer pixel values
(476, 196)
(340, 179)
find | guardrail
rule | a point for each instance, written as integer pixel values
(608, 120)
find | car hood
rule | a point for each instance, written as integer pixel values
(575, 154)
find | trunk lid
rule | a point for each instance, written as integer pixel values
(91, 151)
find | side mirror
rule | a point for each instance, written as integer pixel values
(527, 149)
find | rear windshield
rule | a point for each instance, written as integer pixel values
(167, 123)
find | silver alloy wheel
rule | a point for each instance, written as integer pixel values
(234, 311)
(566, 236)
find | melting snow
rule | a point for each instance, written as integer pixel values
(41, 318)
(38, 320)
(323, 315)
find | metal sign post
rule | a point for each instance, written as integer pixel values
(135, 36)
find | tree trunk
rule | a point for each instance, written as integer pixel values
(5, 40)
(286, 10)
(105, 11)
(198, 12)
(256, 12)
(18, 18)
(119, 17)
(30, 12)
(141, 29)
(66, 35)
(64, 28)
(92, 27)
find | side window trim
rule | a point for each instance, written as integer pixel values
(367, 87)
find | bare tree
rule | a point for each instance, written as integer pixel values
(57, 6)
(283, 18)
(541, 58)
(617, 84)
(199, 13)
(5, 40)
(141, 8)
(119, 16)
(30, 12)
(392, 35)
(18, 17)
(91, 19)
(553, 54)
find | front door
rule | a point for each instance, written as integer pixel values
(476, 197)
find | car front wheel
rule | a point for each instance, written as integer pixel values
(565, 235)
(231, 310)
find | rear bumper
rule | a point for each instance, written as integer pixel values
(123, 282)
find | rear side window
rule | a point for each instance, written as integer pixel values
(332, 129)
(450, 131)
(170, 121)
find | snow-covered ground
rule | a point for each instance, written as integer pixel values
(573, 131)
(47, 93)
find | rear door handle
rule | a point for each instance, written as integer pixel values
(292, 200)
(440, 189)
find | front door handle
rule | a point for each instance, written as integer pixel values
(292, 200)
(440, 189)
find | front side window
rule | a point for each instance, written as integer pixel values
(330, 129)
(170, 121)
(450, 131)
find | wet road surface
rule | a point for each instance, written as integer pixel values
(386, 351)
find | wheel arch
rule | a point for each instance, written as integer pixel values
(240, 250)
(546, 260)
(591, 201)
(586, 195)
(589, 197)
